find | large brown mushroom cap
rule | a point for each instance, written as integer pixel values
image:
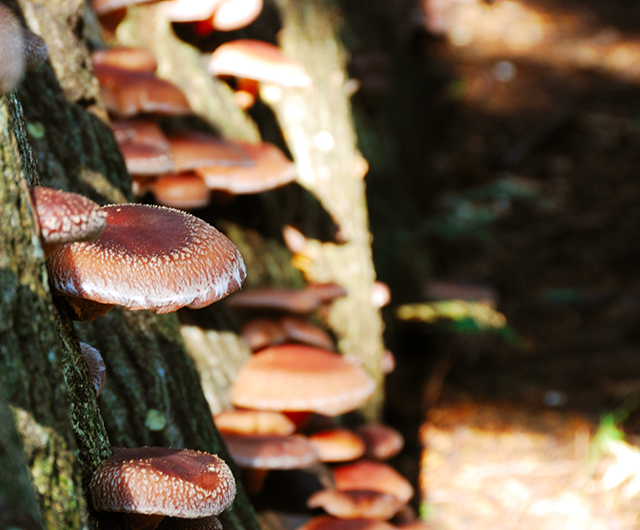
(295, 377)
(150, 257)
(159, 480)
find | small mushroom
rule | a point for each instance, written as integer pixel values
(259, 453)
(262, 332)
(240, 421)
(337, 445)
(258, 60)
(295, 377)
(269, 169)
(194, 149)
(65, 217)
(235, 14)
(366, 475)
(96, 366)
(35, 50)
(136, 59)
(382, 441)
(185, 191)
(299, 330)
(159, 482)
(354, 504)
(127, 93)
(292, 300)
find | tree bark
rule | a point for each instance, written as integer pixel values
(152, 395)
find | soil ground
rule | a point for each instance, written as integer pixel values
(535, 159)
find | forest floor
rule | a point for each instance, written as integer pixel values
(536, 159)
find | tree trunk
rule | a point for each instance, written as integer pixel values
(152, 395)
(317, 125)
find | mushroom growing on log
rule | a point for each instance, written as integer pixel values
(147, 257)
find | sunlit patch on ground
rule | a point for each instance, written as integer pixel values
(504, 467)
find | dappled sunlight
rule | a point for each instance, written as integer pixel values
(524, 30)
(500, 466)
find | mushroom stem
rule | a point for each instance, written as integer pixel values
(254, 479)
(86, 310)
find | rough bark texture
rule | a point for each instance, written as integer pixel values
(31, 354)
(18, 504)
(152, 395)
(317, 125)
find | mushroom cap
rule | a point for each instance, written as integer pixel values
(253, 422)
(184, 191)
(337, 445)
(146, 160)
(35, 50)
(236, 14)
(194, 149)
(95, 365)
(353, 504)
(164, 481)
(269, 451)
(269, 169)
(258, 60)
(292, 300)
(65, 217)
(140, 132)
(262, 332)
(127, 93)
(372, 476)
(299, 330)
(136, 59)
(191, 10)
(150, 257)
(382, 441)
(295, 377)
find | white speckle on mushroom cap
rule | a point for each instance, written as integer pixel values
(158, 480)
(150, 257)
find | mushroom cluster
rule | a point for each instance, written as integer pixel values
(181, 169)
(291, 374)
(294, 376)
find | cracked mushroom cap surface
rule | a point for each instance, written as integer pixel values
(150, 257)
(163, 481)
(294, 377)
(65, 217)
